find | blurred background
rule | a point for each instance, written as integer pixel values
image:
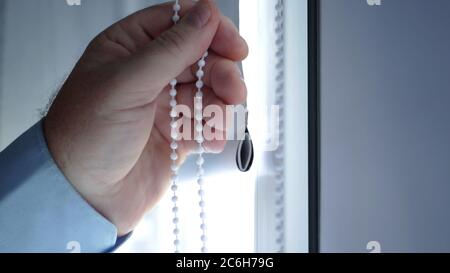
(40, 42)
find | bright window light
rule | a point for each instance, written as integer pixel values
(230, 196)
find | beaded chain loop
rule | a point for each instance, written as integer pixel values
(199, 138)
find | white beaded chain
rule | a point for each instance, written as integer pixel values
(174, 144)
(280, 154)
(199, 138)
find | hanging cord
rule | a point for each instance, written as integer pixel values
(199, 138)
(174, 144)
(280, 153)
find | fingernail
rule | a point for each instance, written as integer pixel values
(199, 15)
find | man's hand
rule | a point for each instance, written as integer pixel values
(109, 127)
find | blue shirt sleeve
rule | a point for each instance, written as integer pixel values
(40, 211)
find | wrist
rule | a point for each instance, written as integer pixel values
(97, 195)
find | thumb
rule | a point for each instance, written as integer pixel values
(176, 49)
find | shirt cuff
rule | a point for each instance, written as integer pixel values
(40, 211)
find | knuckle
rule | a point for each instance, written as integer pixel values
(172, 41)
